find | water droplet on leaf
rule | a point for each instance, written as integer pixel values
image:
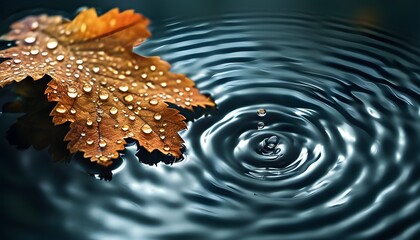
(102, 143)
(113, 110)
(52, 43)
(157, 116)
(60, 58)
(34, 51)
(30, 39)
(123, 88)
(87, 87)
(61, 109)
(103, 95)
(89, 122)
(146, 128)
(128, 98)
(71, 92)
(154, 101)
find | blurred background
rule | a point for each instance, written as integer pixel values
(401, 17)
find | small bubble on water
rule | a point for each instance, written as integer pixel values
(271, 142)
(260, 125)
(261, 112)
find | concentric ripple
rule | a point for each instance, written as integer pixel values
(316, 136)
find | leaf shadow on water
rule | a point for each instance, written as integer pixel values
(35, 128)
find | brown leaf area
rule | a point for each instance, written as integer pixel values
(106, 91)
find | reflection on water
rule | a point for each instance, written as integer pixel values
(337, 154)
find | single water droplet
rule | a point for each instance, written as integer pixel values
(146, 128)
(89, 122)
(129, 98)
(17, 60)
(187, 89)
(87, 87)
(260, 125)
(261, 112)
(166, 148)
(61, 109)
(60, 58)
(71, 92)
(73, 111)
(102, 143)
(103, 158)
(34, 26)
(152, 67)
(79, 61)
(132, 117)
(30, 39)
(163, 84)
(103, 95)
(89, 141)
(34, 51)
(162, 137)
(113, 110)
(154, 101)
(157, 116)
(52, 43)
(96, 69)
(144, 75)
(125, 128)
(123, 88)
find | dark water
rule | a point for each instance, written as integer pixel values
(316, 136)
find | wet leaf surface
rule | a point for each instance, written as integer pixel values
(106, 92)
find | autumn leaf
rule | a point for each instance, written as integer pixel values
(107, 92)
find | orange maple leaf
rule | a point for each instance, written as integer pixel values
(106, 91)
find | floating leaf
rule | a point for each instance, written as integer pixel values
(107, 92)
